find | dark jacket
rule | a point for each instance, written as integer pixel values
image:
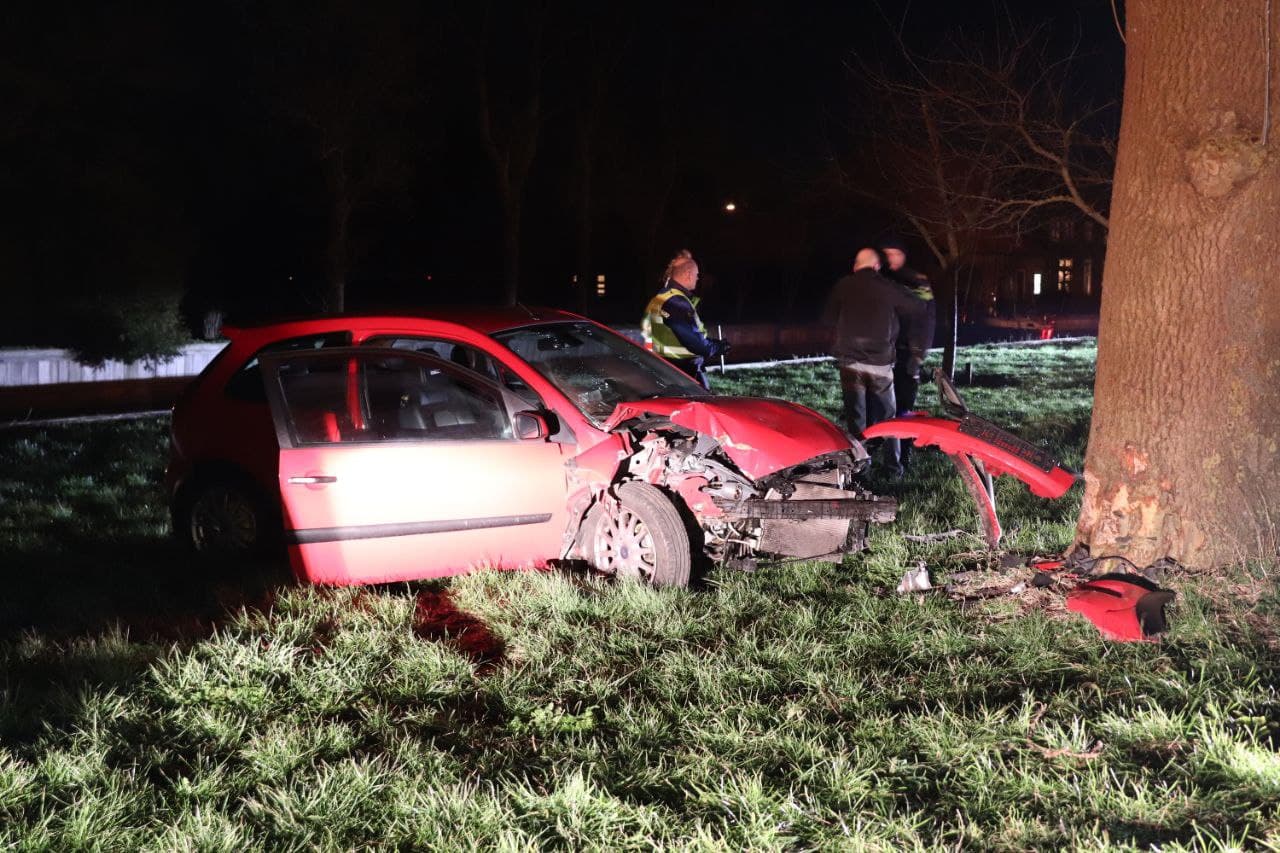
(866, 310)
(920, 288)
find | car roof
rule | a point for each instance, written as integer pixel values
(485, 320)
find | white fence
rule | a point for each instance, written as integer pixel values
(56, 366)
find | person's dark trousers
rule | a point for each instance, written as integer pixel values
(906, 384)
(868, 399)
(693, 367)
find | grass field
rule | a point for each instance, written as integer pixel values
(146, 704)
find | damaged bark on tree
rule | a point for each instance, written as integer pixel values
(1184, 448)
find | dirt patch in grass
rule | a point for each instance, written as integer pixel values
(437, 617)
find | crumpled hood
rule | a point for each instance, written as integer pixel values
(760, 436)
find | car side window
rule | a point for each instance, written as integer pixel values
(246, 383)
(315, 395)
(339, 399)
(468, 357)
(412, 401)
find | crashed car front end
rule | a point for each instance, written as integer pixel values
(670, 470)
(755, 477)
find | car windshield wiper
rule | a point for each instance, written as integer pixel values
(655, 395)
(680, 395)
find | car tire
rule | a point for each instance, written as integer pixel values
(222, 517)
(639, 534)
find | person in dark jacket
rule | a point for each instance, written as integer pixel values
(866, 312)
(906, 379)
(672, 327)
(906, 373)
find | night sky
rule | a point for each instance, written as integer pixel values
(187, 149)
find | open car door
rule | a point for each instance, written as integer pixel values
(396, 465)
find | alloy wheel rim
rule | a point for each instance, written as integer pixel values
(624, 545)
(222, 520)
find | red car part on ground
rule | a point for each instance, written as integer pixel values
(1123, 606)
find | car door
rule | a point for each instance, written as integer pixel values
(397, 465)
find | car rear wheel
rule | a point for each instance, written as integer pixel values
(639, 535)
(223, 519)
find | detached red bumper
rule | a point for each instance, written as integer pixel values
(1000, 451)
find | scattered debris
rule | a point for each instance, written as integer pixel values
(937, 537)
(979, 594)
(916, 579)
(1122, 606)
(982, 584)
(1012, 561)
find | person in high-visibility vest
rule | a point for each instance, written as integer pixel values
(671, 325)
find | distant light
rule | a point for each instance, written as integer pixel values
(730, 207)
(600, 285)
(1035, 284)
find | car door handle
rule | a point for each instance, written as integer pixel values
(312, 479)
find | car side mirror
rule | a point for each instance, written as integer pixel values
(530, 426)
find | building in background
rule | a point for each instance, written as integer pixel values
(1053, 269)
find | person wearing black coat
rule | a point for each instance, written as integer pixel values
(906, 378)
(866, 312)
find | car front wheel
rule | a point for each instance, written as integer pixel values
(640, 535)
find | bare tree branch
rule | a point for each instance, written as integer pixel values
(969, 143)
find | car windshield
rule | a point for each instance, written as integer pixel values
(595, 368)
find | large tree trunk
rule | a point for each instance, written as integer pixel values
(1184, 450)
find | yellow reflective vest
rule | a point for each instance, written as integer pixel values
(658, 336)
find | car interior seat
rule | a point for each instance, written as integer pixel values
(316, 405)
(463, 357)
(331, 429)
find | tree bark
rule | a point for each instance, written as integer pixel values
(1184, 448)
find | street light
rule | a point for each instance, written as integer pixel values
(730, 207)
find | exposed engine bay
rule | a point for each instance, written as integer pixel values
(814, 509)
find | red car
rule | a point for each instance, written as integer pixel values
(385, 448)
